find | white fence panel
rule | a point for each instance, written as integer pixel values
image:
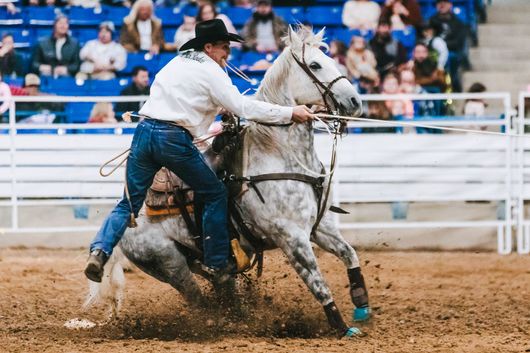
(63, 169)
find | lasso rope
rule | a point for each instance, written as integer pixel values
(427, 126)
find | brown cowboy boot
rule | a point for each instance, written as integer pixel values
(95, 263)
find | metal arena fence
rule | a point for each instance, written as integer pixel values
(377, 163)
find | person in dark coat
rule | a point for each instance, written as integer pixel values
(57, 55)
(138, 87)
(389, 53)
(454, 32)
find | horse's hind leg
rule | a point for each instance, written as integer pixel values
(296, 246)
(329, 238)
(158, 256)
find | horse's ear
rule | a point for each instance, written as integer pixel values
(294, 40)
(319, 37)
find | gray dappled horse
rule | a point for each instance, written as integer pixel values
(286, 219)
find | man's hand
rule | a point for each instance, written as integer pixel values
(301, 114)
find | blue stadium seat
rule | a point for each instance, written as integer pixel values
(17, 82)
(169, 34)
(80, 16)
(163, 59)
(242, 85)
(78, 112)
(345, 35)
(249, 58)
(324, 15)
(8, 19)
(294, 14)
(83, 35)
(407, 37)
(41, 16)
(106, 87)
(235, 56)
(238, 15)
(144, 59)
(170, 17)
(116, 14)
(66, 86)
(23, 37)
(462, 13)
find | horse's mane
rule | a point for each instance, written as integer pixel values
(271, 89)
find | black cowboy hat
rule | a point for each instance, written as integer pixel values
(210, 31)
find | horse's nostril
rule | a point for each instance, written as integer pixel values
(354, 102)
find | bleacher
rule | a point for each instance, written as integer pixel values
(33, 23)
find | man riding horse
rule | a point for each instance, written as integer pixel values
(181, 106)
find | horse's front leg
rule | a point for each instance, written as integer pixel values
(296, 245)
(329, 238)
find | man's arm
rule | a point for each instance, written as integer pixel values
(226, 95)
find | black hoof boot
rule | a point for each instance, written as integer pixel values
(336, 322)
(359, 295)
(95, 263)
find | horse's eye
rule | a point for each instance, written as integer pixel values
(315, 66)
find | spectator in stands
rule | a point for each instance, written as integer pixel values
(436, 45)
(402, 13)
(141, 30)
(102, 112)
(41, 112)
(454, 32)
(361, 14)
(5, 96)
(186, 30)
(389, 53)
(138, 87)
(337, 51)
(374, 109)
(10, 61)
(44, 2)
(399, 108)
(85, 3)
(264, 31)
(57, 55)
(428, 75)
(475, 107)
(102, 57)
(208, 11)
(360, 60)
(246, 4)
(408, 85)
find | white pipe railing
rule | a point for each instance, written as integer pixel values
(514, 148)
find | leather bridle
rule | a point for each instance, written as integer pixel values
(324, 90)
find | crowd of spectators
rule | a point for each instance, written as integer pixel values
(373, 59)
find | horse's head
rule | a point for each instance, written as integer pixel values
(314, 77)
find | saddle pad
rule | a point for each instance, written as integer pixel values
(160, 212)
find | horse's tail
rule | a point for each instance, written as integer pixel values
(110, 290)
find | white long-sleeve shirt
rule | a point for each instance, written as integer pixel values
(192, 88)
(104, 54)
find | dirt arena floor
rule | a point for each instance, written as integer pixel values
(423, 302)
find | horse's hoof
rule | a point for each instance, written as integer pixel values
(362, 314)
(353, 332)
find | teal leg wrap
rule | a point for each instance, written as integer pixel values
(353, 332)
(362, 314)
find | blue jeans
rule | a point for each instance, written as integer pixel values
(159, 144)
